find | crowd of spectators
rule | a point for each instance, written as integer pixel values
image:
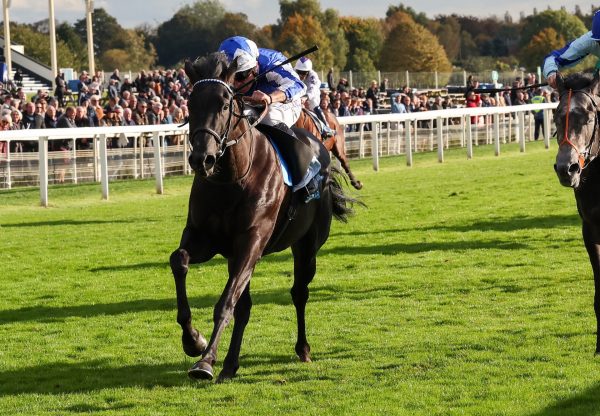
(160, 97)
(344, 101)
(156, 97)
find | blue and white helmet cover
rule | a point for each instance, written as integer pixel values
(241, 48)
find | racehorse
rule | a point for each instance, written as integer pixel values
(337, 144)
(240, 207)
(577, 165)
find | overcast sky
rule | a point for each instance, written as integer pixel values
(131, 13)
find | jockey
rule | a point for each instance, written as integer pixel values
(313, 93)
(573, 52)
(282, 90)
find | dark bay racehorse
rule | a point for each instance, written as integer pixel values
(577, 164)
(337, 144)
(239, 207)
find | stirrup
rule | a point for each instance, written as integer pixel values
(310, 197)
(312, 189)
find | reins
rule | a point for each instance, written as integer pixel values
(585, 157)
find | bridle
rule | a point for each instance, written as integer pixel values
(586, 156)
(223, 138)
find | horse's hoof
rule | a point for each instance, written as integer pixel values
(201, 371)
(303, 354)
(357, 185)
(225, 376)
(193, 345)
(305, 358)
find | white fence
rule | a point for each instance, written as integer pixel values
(500, 125)
(149, 151)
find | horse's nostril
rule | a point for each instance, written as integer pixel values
(209, 161)
(555, 168)
(574, 168)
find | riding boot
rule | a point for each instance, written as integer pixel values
(301, 154)
(326, 131)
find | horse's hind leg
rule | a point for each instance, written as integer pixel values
(305, 266)
(592, 245)
(241, 315)
(340, 153)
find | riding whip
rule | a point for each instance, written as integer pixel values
(287, 61)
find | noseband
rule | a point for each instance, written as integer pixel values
(586, 157)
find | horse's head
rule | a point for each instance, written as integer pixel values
(211, 110)
(576, 120)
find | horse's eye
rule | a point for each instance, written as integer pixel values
(226, 107)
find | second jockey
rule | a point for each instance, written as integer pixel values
(310, 78)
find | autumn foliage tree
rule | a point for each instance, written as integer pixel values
(37, 45)
(134, 56)
(538, 47)
(410, 46)
(300, 33)
(328, 35)
(567, 25)
(365, 40)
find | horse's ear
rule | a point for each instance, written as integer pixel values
(230, 72)
(190, 71)
(560, 82)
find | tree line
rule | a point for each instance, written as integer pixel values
(402, 40)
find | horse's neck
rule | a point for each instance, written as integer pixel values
(332, 121)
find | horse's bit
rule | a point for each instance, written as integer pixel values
(584, 158)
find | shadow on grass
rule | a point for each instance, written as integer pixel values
(412, 248)
(151, 265)
(500, 224)
(280, 296)
(96, 375)
(49, 314)
(585, 403)
(59, 378)
(64, 222)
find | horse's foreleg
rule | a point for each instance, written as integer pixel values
(240, 271)
(193, 342)
(305, 266)
(241, 317)
(592, 245)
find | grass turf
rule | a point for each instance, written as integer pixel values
(463, 289)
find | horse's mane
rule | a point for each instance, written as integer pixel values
(579, 80)
(215, 65)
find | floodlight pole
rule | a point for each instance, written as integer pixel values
(52, 29)
(90, 36)
(7, 48)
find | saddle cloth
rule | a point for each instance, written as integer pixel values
(313, 169)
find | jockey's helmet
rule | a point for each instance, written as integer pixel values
(241, 48)
(303, 64)
(596, 26)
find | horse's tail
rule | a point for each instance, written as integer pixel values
(341, 203)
